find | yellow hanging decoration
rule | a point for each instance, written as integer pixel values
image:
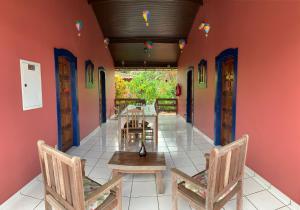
(146, 16)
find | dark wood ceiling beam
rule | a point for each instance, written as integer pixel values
(105, 1)
(113, 40)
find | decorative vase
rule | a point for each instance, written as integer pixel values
(142, 152)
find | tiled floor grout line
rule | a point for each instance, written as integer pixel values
(251, 203)
(275, 197)
(30, 197)
(130, 192)
(38, 204)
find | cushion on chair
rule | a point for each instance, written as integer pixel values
(89, 186)
(202, 178)
(145, 124)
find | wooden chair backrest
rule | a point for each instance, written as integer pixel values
(226, 168)
(62, 176)
(135, 117)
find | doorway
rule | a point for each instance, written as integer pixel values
(67, 100)
(190, 96)
(102, 95)
(225, 102)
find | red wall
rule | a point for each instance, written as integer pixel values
(31, 30)
(267, 36)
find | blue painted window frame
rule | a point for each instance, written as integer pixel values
(102, 82)
(74, 94)
(88, 84)
(202, 84)
(228, 53)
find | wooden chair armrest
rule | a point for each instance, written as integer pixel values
(207, 156)
(114, 182)
(186, 178)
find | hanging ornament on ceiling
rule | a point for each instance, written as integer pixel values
(79, 25)
(146, 16)
(205, 27)
(148, 47)
(106, 42)
(181, 44)
(148, 44)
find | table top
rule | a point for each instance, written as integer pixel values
(149, 110)
(132, 161)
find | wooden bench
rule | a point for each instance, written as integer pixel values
(166, 105)
(122, 103)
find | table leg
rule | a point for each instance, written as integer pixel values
(159, 182)
(115, 173)
(156, 131)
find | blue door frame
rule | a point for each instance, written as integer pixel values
(102, 82)
(189, 96)
(73, 63)
(229, 53)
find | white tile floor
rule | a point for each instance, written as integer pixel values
(184, 149)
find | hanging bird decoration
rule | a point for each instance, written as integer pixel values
(181, 44)
(148, 47)
(148, 44)
(79, 25)
(205, 27)
(146, 16)
(106, 42)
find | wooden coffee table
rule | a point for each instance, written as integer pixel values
(132, 163)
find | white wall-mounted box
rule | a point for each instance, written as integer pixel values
(31, 84)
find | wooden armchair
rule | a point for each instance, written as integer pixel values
(213, 188)
(67, 188)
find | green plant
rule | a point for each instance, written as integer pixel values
(150, 85)
(121, 87)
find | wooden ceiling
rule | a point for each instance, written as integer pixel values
(122, 22)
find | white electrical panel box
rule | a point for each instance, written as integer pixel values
(31, 84)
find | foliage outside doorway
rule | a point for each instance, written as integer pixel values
(148, 85)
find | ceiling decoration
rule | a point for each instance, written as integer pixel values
(129, 24)
(205, 27)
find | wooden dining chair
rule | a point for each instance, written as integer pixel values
(135, 124)
(211, 189)
(67, 188)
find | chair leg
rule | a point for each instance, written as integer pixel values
(47, 205)
(119, 197)
(174, 194)
(239, 197)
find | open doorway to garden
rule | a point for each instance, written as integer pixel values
(153, 92)
(147, 85)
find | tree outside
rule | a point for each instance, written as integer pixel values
(148, 85)
(121, 87)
